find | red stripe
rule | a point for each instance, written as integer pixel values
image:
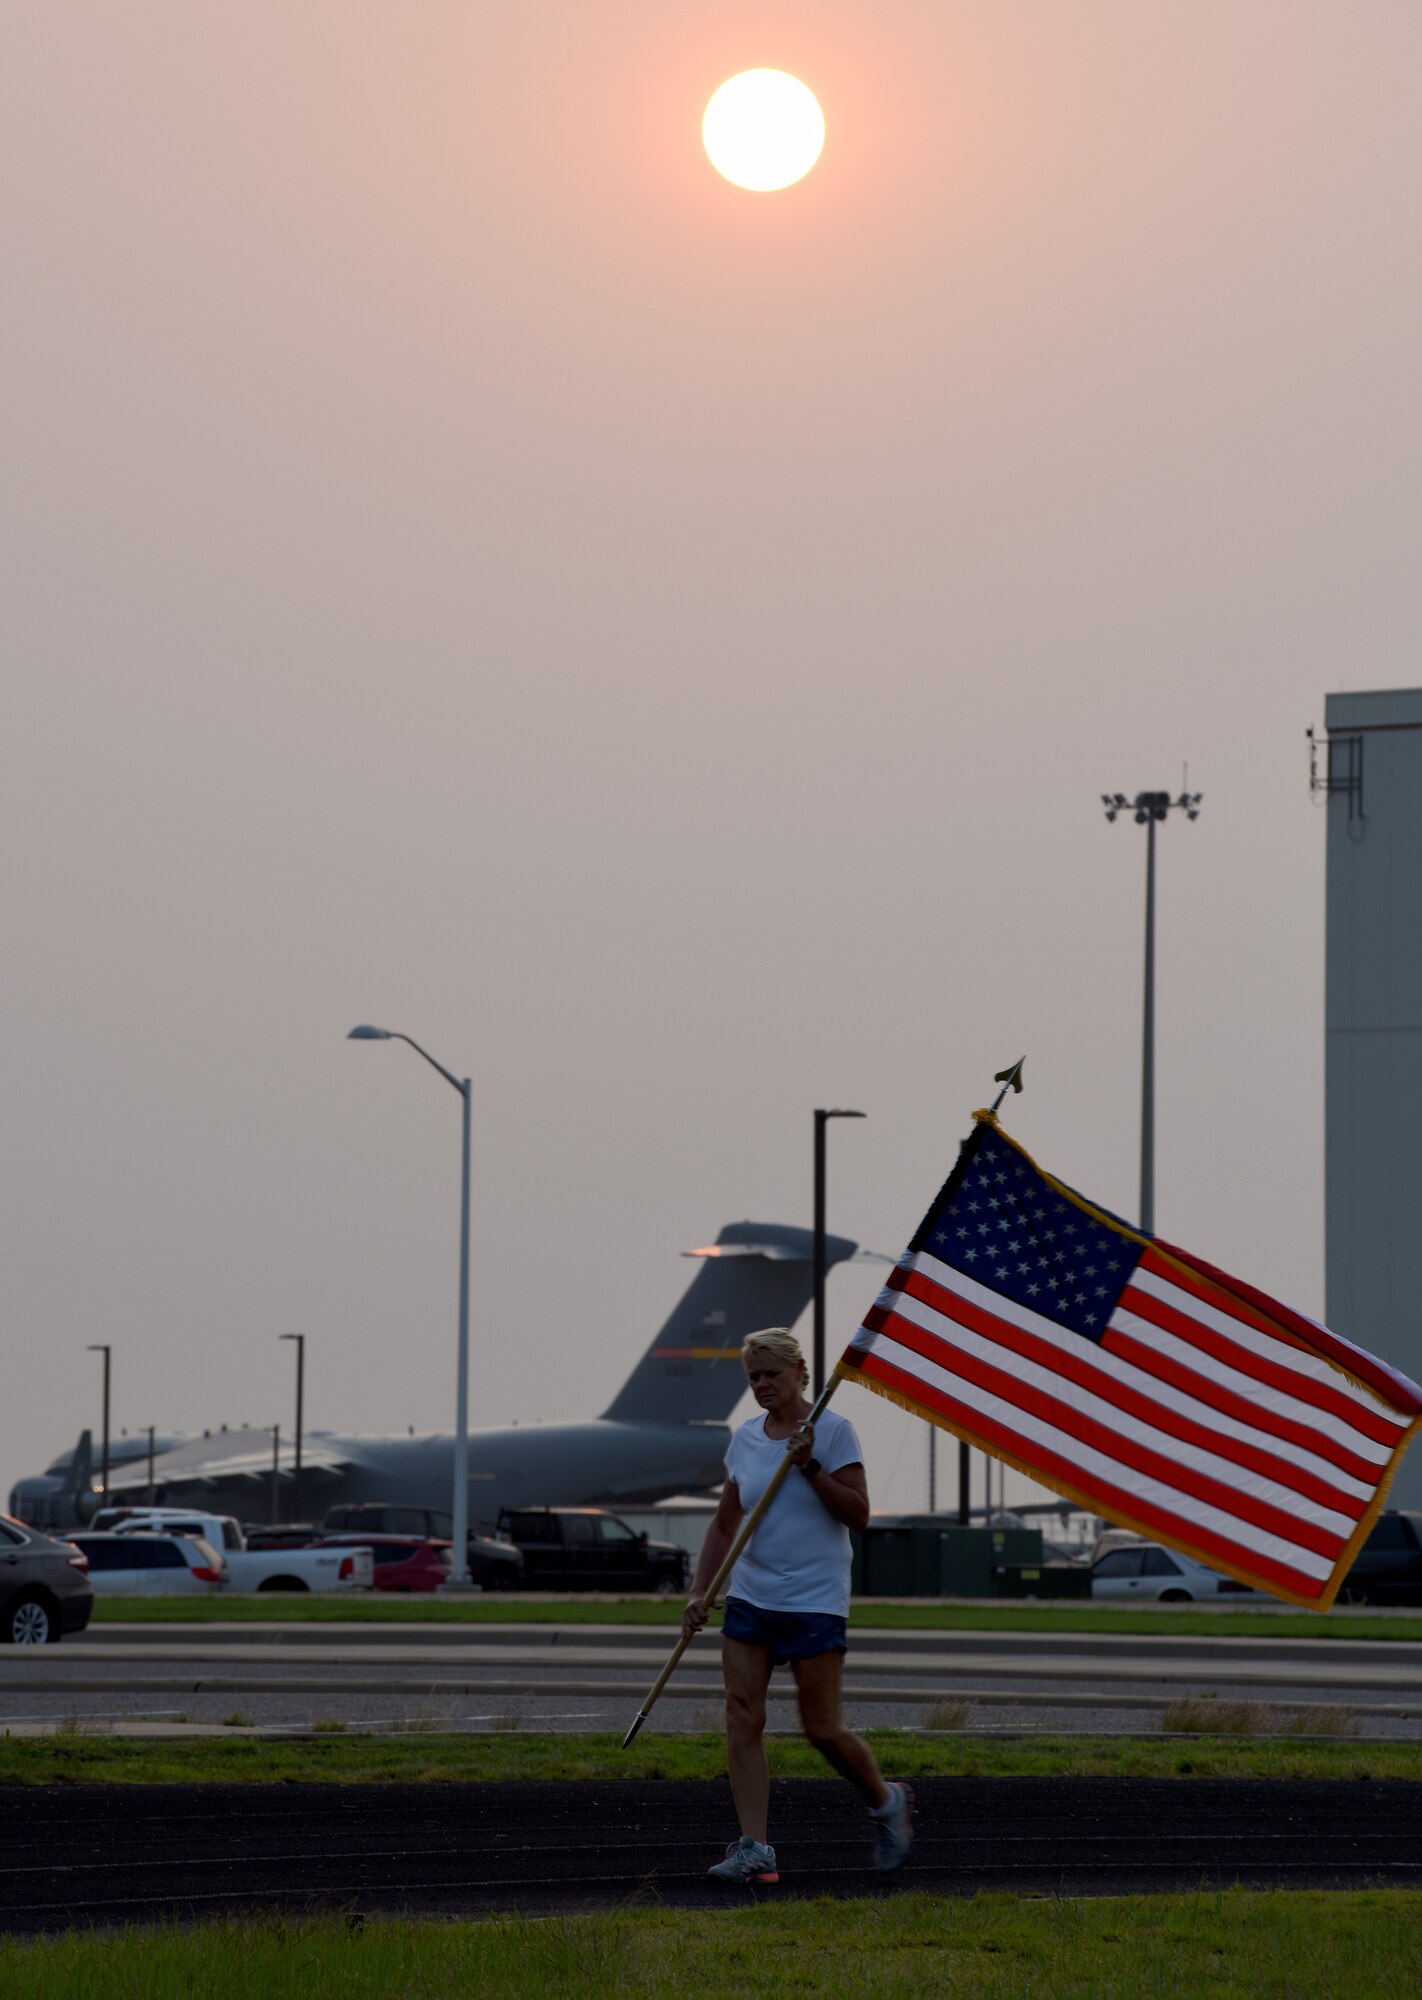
(1277, 1375)
(1193, 1279)
(1389, 1383)
(1167, 1369)
(1160, 1416)
(1128, 1451)
(1093, 1492)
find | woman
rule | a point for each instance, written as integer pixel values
(789, 1600)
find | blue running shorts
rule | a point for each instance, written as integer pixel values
(790, 1635)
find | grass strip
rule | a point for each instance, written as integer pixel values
(927, 1615)
(1258, 1945)
(418, 1757)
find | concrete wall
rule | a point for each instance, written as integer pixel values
(1373, 1168)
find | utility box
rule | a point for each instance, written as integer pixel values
(925, 1559)
(1054, 1580)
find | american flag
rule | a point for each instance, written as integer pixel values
(1136, 1379)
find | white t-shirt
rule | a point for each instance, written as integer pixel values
(798, 1558)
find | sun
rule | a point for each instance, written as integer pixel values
(763, 130)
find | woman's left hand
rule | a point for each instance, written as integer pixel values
(801, 1446)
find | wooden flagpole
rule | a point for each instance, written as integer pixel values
(1010, 1079)
(747, 1529)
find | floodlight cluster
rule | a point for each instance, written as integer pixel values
(1151, 805)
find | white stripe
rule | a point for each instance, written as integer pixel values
(1245, 1537)
(1407, 1389)
(1263, 1393)
(1311, 1366)
(1208, 1464)
(1064, 1341)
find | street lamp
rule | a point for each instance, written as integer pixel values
(1146, 808)
(459, 1577)
(300, 1339)
(822, 1119)
(98, 1347)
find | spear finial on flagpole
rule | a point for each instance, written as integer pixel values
(1010, 1079)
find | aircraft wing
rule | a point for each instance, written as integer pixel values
(240, 1454)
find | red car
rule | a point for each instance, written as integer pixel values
(401, 1561)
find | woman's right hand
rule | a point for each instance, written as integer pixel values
(694, 1616)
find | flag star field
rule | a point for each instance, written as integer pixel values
(1003, 1224)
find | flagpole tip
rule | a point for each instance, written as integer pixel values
(1010, 1079)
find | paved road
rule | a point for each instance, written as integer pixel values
(78, 1854)
(582, 1678)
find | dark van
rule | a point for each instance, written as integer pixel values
(582, 1548)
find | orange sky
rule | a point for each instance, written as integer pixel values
(468, 566)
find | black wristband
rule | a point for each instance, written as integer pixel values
(812, 1468)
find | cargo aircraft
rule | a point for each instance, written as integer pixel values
(664, 1433)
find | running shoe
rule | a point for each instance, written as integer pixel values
(893, 1828)
(746, 1860)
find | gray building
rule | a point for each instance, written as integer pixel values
(1373, 1091)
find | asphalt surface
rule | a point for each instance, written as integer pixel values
(587, 1678)
(86, 1855)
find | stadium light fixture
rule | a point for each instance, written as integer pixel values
(1147, 809)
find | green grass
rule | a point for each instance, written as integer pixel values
(927, 1615)
(422, 1757)
(1235, 1945)
(277, 1608)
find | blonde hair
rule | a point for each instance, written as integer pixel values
(780, 1344)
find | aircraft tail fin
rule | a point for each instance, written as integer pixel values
(755, 1274)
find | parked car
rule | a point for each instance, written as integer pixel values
(152, 1565)
(1145, 1572)
(253, 1569)
(493, 1565)
(286, 1535)
(1388, 1567)
(583, 1548)
(44, 1586)
(387, 1517)
(401, 1563)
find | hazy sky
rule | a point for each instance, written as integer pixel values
(468, 567)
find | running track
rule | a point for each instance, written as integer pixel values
(108, 1854)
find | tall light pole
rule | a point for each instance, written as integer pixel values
(98, 1347)
(459, 1578)
(300, 1339)
(1146, 808)
(822, 1119)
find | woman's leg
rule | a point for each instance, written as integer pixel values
(817, 1682)
(747, 1675)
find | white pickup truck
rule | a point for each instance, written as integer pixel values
(253, 1569)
